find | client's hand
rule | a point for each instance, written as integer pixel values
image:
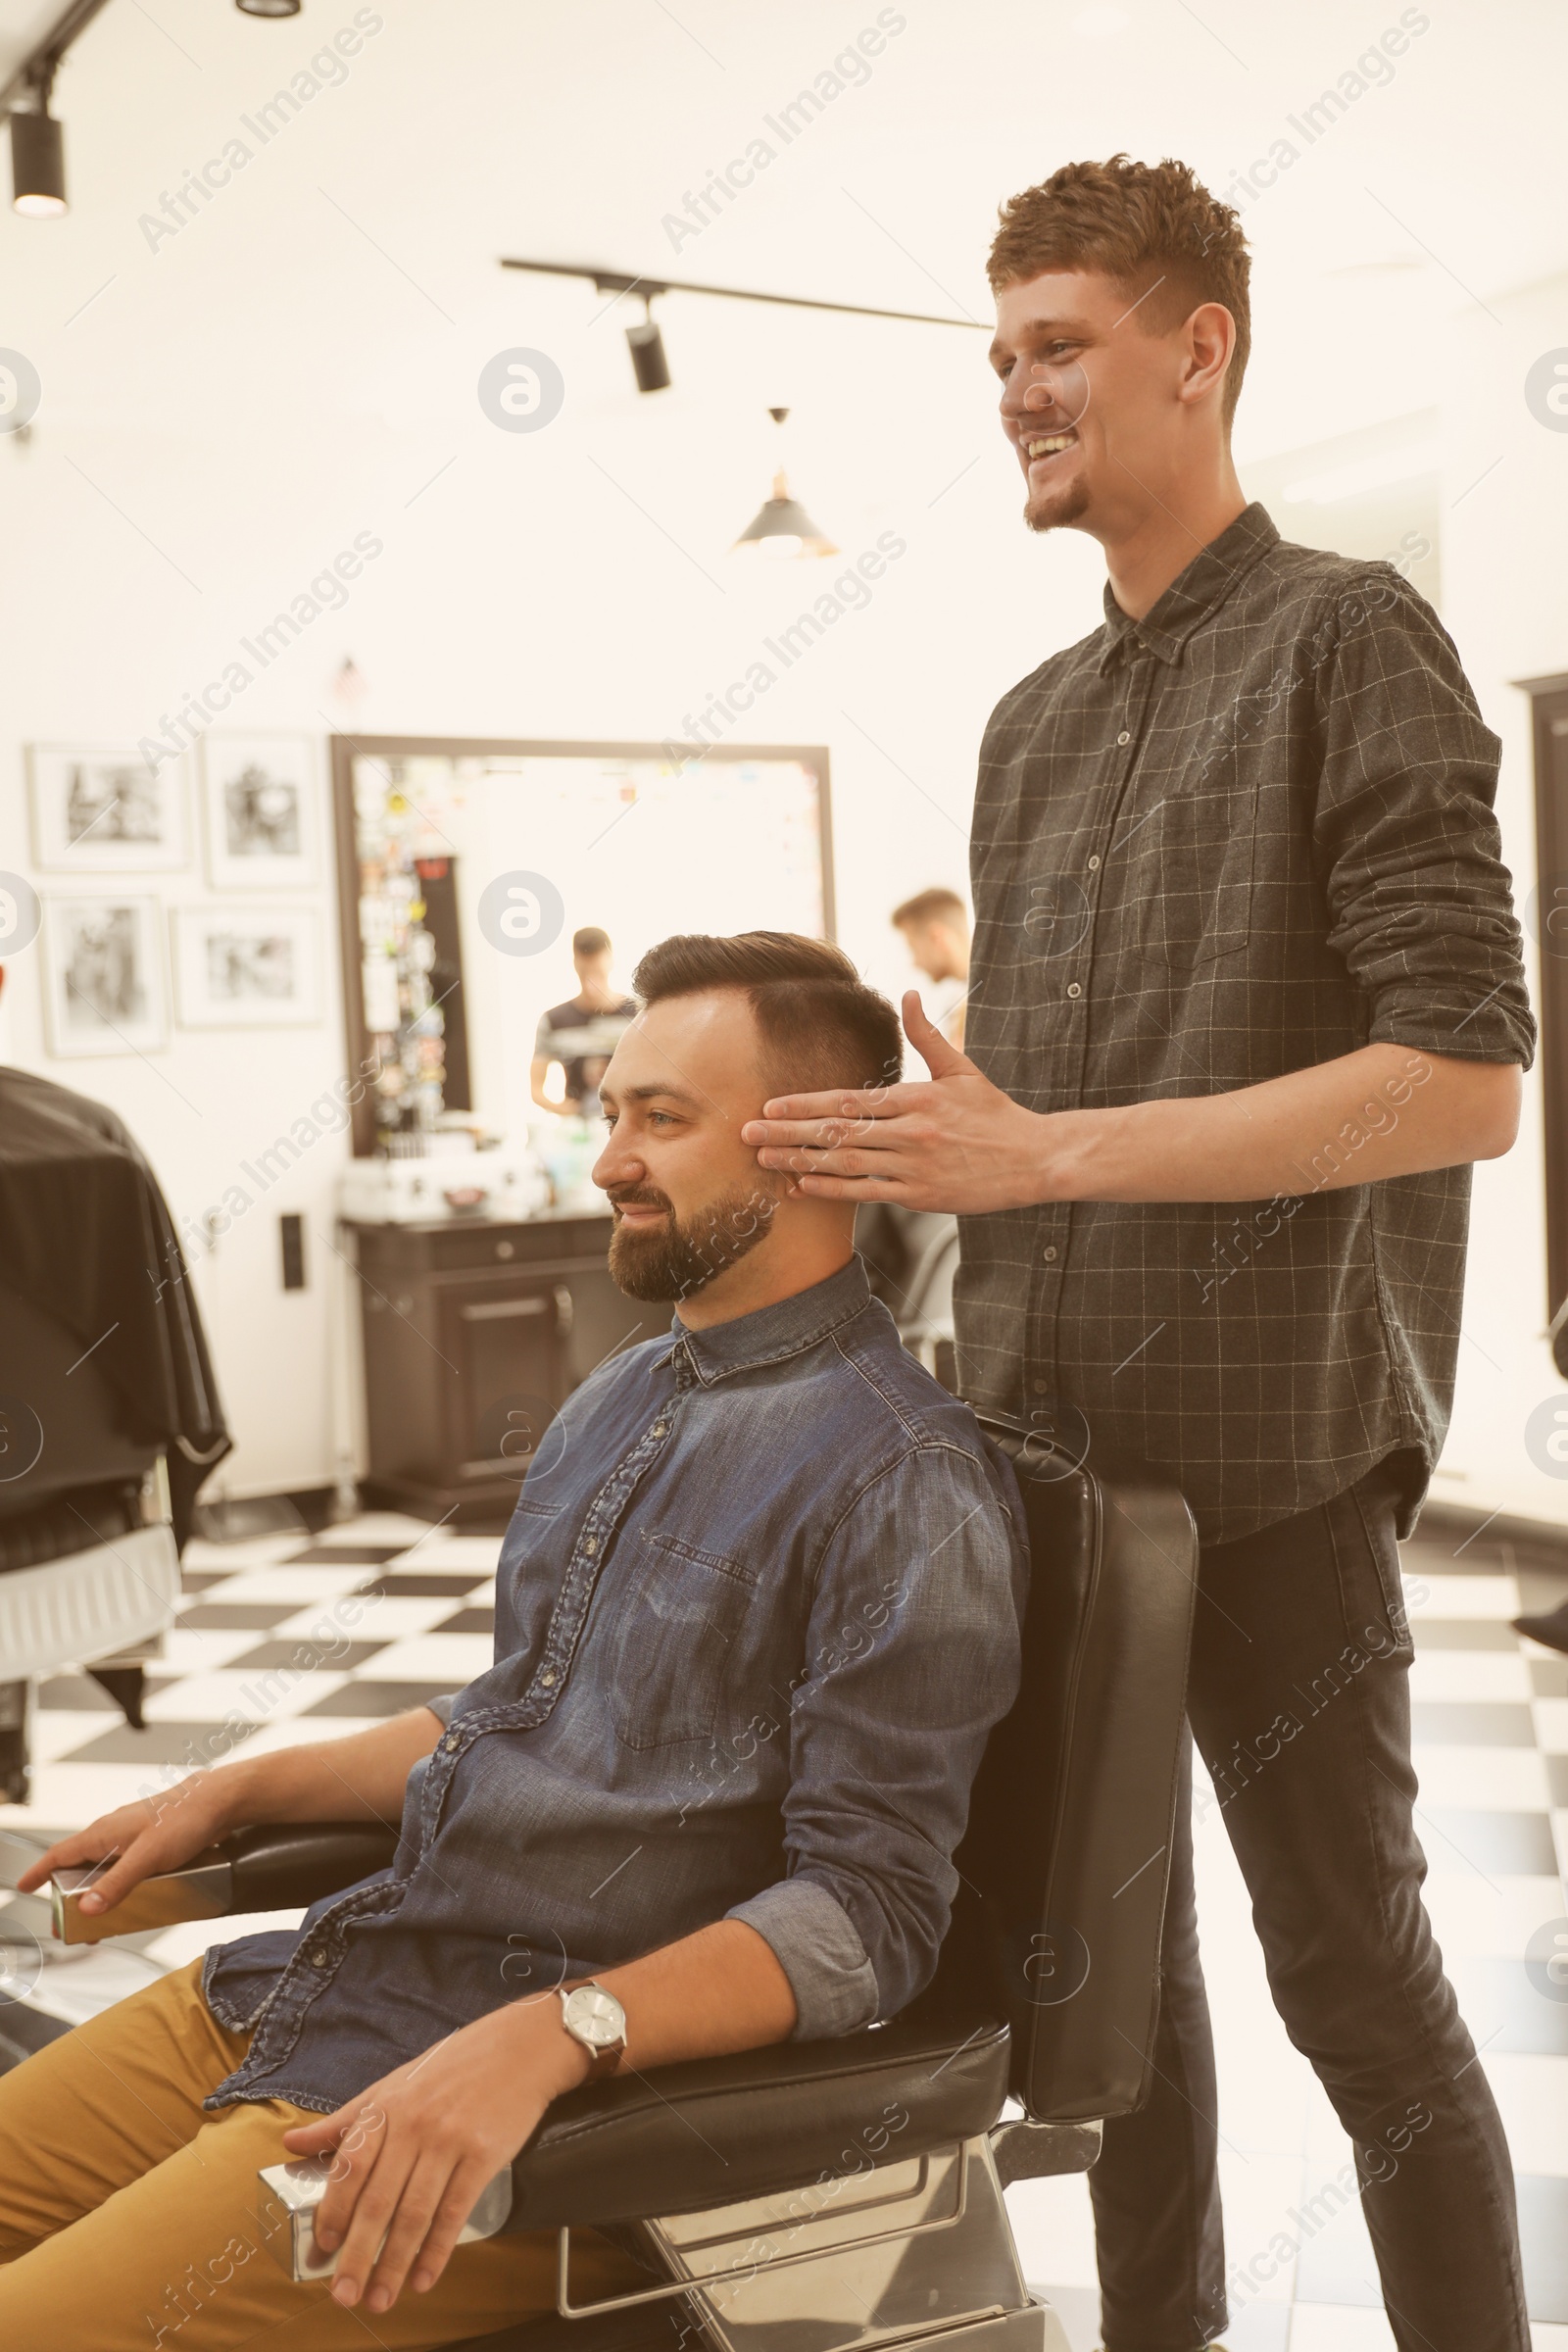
(156, 1833)
(415, 2150)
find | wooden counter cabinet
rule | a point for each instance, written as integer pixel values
(475, 1333)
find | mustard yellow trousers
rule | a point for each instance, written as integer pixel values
(130, 2221)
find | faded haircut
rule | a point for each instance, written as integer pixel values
(818, 1023)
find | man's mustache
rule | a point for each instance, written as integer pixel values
(637, 1195)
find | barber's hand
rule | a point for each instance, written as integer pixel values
(415, 2150)
(156, 1833)
(955, 1142)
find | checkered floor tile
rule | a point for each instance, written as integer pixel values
(287, 1638)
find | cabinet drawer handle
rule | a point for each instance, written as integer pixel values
(564, 1309)
(499, 1309)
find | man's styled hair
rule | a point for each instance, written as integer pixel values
(589, 941)
(819, 1024)
(929, 906)
(1153, 230)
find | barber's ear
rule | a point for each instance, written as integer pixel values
(1212, 339)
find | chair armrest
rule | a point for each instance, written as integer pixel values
(715, 2130)
(272, 1867)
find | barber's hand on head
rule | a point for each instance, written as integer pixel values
(953, 1141)
(415, 2151)
(136, 1842)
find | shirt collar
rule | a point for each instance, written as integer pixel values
(770, 1333)
(1208, 579)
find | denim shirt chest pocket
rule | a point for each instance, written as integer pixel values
(668, 1655)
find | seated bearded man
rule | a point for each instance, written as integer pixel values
(756, 1611)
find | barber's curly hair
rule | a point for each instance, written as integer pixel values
(819, 1024)
(1152, 228)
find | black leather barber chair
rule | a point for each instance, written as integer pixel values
(109, 1419)
(89, 1570)
(822, 2195)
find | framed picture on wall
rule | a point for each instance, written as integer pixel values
(246, 967)
(102, 810)
(104, 987)
(259, 798)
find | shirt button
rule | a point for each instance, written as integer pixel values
(1073, 988)
(590, 1544)
(449, 1741)
(1051, 1255)
(660, 1429)
(1093, 865)
(318, 1959)
(547, 1677)
(1125, 737)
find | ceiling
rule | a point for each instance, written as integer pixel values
(23, 25)
(517, 125)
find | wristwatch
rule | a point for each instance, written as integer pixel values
(594, 2016)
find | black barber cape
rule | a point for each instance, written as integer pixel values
(87, 1236)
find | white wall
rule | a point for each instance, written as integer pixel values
(224, 411)
(1506, 603)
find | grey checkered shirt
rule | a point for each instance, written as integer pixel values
(1246, 834)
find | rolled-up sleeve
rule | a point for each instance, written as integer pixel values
(913, 1655)
(1418, 894)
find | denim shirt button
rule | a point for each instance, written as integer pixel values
(450, 1740)
(318, 1959)
(661, 1429)
(547, 1677)
(590, 1545)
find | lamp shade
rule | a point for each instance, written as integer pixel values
(781, 527)
(37, 165)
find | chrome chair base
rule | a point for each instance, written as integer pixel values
(901, 2254)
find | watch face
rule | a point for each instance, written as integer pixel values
(595, 2017)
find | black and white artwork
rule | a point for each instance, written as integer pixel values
(104, 976)
(246, 967)
(260, 807)
(105, 810)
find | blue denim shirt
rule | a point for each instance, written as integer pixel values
(756, 1609)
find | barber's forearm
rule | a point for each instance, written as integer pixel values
(358, 1779)
(1385, 1111)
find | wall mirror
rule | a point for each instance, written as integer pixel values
(465, 866)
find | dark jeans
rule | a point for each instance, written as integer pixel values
(1299, 1705)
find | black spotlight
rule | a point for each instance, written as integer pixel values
(37, 162)
(267, 8)
(648, 359)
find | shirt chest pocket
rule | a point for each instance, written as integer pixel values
(669, 1652)
(1187, 870)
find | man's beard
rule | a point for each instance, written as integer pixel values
(675, 1259)
(1058, 509)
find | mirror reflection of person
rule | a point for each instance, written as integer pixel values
(905, 1251)
(935, 925)
(597, 1000)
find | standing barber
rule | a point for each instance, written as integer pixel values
(1247, 1001)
